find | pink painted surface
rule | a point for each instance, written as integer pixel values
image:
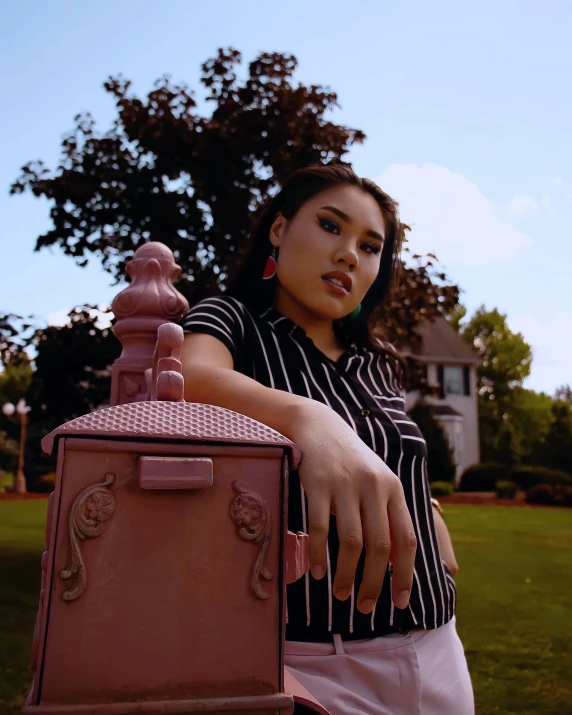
(149, 301)
(167, 608)
(297, 556)
(175, 472)
(187, 421)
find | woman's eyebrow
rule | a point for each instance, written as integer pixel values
(345, 217)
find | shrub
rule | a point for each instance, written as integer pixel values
(506, 490)
(441, 489)
(6, 481)
(482, 477)
(562, 495)
(527, 477)
(540, 494)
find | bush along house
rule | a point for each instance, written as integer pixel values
(450, 367)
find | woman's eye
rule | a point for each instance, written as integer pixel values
(330, 226)
(371, 248)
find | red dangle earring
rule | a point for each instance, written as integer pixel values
(270, 267)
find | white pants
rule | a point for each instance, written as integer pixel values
(418, 673)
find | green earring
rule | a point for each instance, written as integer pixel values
(354, 314)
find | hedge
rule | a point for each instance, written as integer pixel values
(550, 495)
(482, 477)
(530, 476)
(441, 489)
(506, 489)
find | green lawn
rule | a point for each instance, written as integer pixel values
(514, 612)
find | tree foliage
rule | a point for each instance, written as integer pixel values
(73, 362)
(440, 460)
(163, 172)
(513, 421)
(506, 356)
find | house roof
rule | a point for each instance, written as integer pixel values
(442, 343)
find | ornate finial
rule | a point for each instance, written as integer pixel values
(150, 300)
(151, 292)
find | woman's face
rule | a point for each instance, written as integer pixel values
(330, 252)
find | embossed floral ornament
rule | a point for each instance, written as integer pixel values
(91, 508)
(251, 516)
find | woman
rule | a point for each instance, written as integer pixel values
(291, 344)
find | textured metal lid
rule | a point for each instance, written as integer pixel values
(187, 421)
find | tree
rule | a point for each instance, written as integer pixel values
(440, 461)
(506, 356)
(564, 392)
(506, 360)
(555, 451)
(456, 315)
(165, 173)
(73, 362)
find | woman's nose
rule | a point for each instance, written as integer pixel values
(347, 256)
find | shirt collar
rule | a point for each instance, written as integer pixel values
(283, 325)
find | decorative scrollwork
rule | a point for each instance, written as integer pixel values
(251, 516)
(91, 508)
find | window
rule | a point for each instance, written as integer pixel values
(453, 380)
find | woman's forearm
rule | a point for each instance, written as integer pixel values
(280, 410)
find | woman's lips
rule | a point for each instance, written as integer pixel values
(335, 287)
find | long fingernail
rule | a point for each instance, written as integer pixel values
(318, 571)
(402, 599)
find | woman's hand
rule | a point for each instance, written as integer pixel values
(445, 543)
(342, 476)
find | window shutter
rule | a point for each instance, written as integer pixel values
(467, 379)
(441, 378)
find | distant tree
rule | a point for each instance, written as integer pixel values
(440, 460)
(506, 360)
(555, 450)
(72, 375)
(564, 392)
(456, 315)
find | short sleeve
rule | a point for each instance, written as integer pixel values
(222, 317)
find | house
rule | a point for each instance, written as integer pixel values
(451, 367)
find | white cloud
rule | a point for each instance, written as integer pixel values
(551, 342)
(521, 205)
(559, 181)
(450, 216)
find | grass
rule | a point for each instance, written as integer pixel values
(515, 606)
(21, 546)
(514, 611)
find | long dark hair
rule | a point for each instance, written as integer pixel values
(257, 294)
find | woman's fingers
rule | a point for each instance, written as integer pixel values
(349, 528)
(318, 526)
(377, 543)
(403, 548)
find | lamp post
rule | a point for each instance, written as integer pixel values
(21, 409)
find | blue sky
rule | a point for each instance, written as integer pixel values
(467, 111)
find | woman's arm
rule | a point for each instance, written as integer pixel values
(445, 542)
(339, 473)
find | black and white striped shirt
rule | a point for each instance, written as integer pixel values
(363, 387)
